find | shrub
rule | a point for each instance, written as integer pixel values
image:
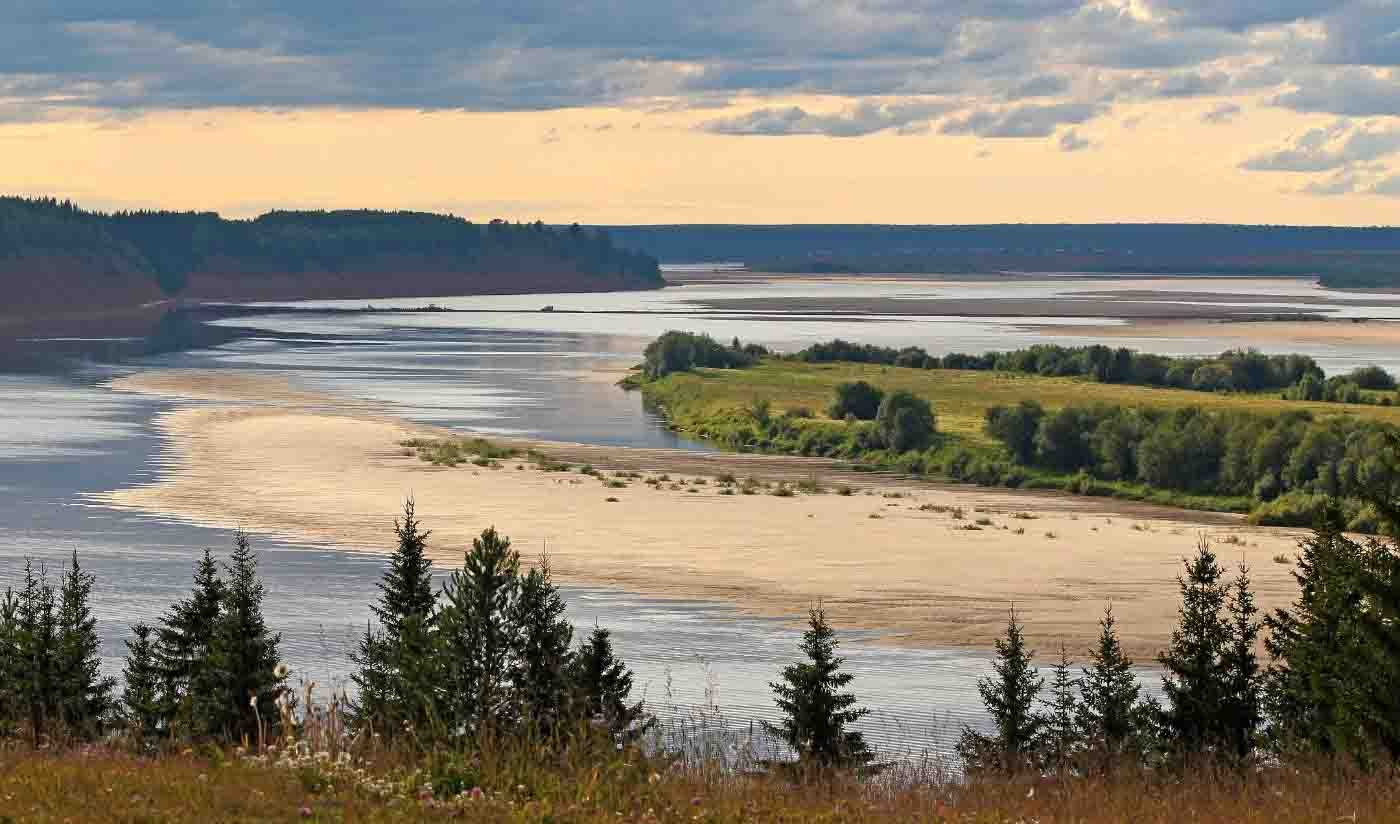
(857, 399)
(904, 421)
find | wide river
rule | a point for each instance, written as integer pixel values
(501, 365)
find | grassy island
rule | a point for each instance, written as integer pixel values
(1267, 452)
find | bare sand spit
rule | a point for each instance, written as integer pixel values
(894, 557)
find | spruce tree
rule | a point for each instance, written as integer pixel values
(1062, 732)
(817, 715)
(397, 669)
(1242, 709)
(84, 695)
(141, 704)
(477, 634)
(605, 684)
(542, 656)
(38, 652)
(11, 666)
(1195, 683)
(1010, 698)
(1111, 717)
(241, 683)
(183, 641)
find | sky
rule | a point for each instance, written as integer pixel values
(712, 111)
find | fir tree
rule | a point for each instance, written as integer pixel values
(542, 658)
(1111, 717)
(816, 713)
(11, 665)
(1061, 735)
(84, 695)
(38, 651)
(1195, 683)
(1242, 708)
(1010, 699)
(183, 641)
(141, 697)
(477, 635)
(239, 686)
(397, 670)
(605, 684)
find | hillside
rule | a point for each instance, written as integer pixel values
(1341, 256)
(58, 258)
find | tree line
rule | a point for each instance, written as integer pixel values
(169, 246)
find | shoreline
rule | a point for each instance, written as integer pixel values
(891, 558)
(1332, 330)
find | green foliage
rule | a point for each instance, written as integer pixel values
(169, 246)
(857, 399)
(236, 689)
(684, 351)
(605, 686)
(183, 641)
(1112, 719)
(904, 421)
(83, 693)
(1010, 697)
(816, 713)
(1061, 736)
(478, 636)
(541, 663)
(38, 690)
(141, 704)
(1016, 426)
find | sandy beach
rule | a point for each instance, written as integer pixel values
(1378, 332)
(893, 557)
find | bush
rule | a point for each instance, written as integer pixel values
(1372, 377)
(858, 399)
(684, 351)
(905, 422)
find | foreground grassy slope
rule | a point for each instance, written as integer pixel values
(695, 400)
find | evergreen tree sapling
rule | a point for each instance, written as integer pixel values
(1242, 710)
(1061, 731)
(141, 701)
(477, 634)
(605, 684)
(239, 687)
(817, 715)
(1111, 718)
(11, 666)
(541, 661)
(183, 641)
(1010, 699)
(38, 651)
(1193, 683)
(84, 694)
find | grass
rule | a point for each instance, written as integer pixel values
(454, 451)
(525, 785)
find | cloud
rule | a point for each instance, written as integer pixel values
(864, 118)
(1357, 92)
(1238, 15)
(1324, 149)
(1027, 120)
(1071, 141)
(1223, 113)
(1387, 187)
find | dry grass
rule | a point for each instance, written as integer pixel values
(538, 785)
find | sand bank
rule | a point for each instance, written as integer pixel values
(1379, 332)
(889, 558)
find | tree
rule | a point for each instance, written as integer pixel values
(238, 689)
(183, 640)
(904, 421)
(38, 651)
(858, 399)
(1010, 699)
(1062, 732)
(396, 668)
(1111, 718)
(605, 684)
(816, 713)
(477, 634)
(1242, 708)
(542, 657)
(84, 695)
(141, 704)
(1195, 683)
(11, 665)
(1016, 426)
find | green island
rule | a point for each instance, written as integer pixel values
(1279, 448)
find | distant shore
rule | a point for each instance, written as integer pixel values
(895, 557)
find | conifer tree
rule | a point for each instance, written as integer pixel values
(239, 686)
(397, 670)
(1010, 699)
(141, 704)
(605, 685)
(542, 655)
(1195, 682)
(1111, 717)
(11, 665)
(183, 641)
(84, 695)
(817, 715)
(1062, 732)
(1242, 709)
(38, 651)
(477, 634)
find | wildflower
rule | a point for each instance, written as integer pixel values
(281, 671)
(305, 812)
(476, 794)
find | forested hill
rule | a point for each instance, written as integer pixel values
(1341, 255)
(56, 255)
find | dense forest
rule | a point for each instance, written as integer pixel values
(354, 253)
(1341, 256)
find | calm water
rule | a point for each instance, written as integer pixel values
(504, 368)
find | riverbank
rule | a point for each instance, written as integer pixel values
(1248, 333)
(919, 564)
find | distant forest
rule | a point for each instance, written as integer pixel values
(1341, 256)
(169, 247)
